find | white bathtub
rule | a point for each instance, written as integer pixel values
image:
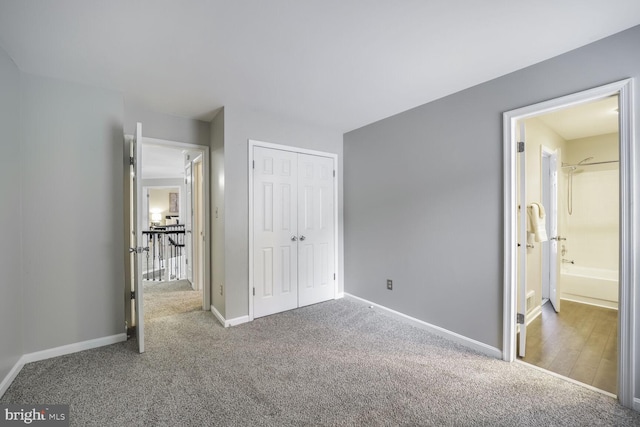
(595, 286)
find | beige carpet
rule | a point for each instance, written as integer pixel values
(163, 299)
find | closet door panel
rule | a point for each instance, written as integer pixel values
(315, 229)
(275, 249)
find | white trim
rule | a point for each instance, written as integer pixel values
(56, 352)
(339, 295)
(219, 316)
(231, 322)
(629, 230)
(73, 348)
(636, 404)
(255, 143)
(13, 373)
(535, 312)
(453, 336)
(236, 321)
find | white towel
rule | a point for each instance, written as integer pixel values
(537, 224)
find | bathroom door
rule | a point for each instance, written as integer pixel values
(522, 243)
(554, 293)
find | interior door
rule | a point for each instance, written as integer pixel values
(188, 218)
(315, 229)
(275, 238)
(522, 245)
(198, 225)
(138, 250)
(554, 292)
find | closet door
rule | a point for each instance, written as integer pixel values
(275, 231)
(315, 229)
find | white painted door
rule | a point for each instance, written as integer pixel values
(522, 246)
(554, 283)
(315, 229)
(188, 218)
(197, 226)
(138, 249)
(275, 235)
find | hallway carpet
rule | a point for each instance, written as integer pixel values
(169, 298)
(332, 364)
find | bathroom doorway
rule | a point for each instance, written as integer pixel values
(571, 175)
(577, 147)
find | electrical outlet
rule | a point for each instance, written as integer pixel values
(390, 284)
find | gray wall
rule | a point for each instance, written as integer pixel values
(164, 126)
(10, 217)
(72, 204)
(423, 192)
(242, 124)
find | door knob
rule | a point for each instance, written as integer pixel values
(294, 238)
(302, 238)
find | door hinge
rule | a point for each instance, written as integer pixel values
(133, 294)
(334, 173)
(520, 146)
(253, 164)
(254, 292)
(520, 319)
(334, 276)
(131, 161)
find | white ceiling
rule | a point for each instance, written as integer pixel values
(590, 119)
(341, 64)
(162, 162)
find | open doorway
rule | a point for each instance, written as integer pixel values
(572, 167)
(172, 186)
(571, 260)
(160, 213)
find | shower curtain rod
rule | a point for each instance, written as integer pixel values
(590, 164)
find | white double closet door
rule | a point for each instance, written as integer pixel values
(293, 230)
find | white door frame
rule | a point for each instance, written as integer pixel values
(254, 143)
(206, 289)
(629, 228)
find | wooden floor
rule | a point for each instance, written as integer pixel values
(580, 342)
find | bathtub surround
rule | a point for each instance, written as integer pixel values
(595, 286)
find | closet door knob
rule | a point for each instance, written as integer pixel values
(302, 238)
(294, 238)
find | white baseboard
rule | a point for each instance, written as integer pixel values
(591, 301)
(55, 352)
(339, 295)
(218, 316)
(231, 322)
(13, 373)
(237, 321)
(72, 348)
(535, 312)
(460, 339)
(636, 404)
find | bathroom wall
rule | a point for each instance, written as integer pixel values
(538, 135)
(592, 229)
